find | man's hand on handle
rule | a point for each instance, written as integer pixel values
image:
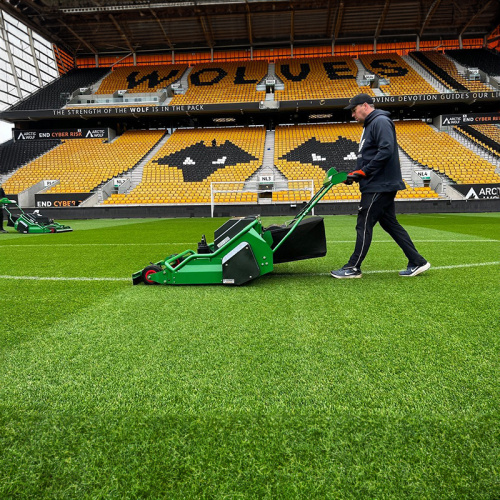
(355, 176)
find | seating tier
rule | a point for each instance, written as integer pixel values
(80, 165)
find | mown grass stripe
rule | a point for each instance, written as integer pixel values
(64, 278)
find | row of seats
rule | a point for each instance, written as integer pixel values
(185, 166)
(441, 153)
(489, 130)
(55, 94)
(487, 135)
(15, 154)
(224, 82)
(484, 59)
(403, 79)
(308, 151)
(445, 70)
(325, 78)
(80, 165)
(135, 79)
(307, 78)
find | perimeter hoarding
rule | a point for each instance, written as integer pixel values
(469, 119)
(75, 133)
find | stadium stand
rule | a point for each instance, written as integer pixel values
(185, 166)
(15, 154)
(444, 77)
(488, 136)
(82, 164)
(486, 60)
(318, 78)
(54, 95)
(403, 79)
(445, 70)
(306, 152)
(443, 154)
(134, 79)
(224, 82)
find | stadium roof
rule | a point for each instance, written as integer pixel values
(90, 27)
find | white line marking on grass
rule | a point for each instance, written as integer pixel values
(63, 278)
(60, 278)
(458, 266)
(422, 241)
(191, 243)
(433, 268)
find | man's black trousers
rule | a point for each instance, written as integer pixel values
(380, 207)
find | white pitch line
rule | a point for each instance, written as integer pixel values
(62, 278)
(55, 245)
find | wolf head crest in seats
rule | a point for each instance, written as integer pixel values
(341, 154)
(199, 161)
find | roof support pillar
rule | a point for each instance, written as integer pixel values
(35, 60)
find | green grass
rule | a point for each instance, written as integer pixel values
(293, 386)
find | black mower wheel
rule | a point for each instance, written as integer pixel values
(147, 272)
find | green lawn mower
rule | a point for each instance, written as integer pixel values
(243, 249)
(33, 223)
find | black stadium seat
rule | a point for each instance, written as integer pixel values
(443, 75)
(53, 96)
(486, 60)
(15, 154)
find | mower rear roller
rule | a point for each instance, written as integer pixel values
(147, 272)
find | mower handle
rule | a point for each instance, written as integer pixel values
(332, 178)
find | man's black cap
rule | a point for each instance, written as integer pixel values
(359, 99)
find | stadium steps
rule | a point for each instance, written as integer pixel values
(462, 70)
(361, 71)
(183, 82)
(271, 75)
(434, 82)
(135, 173)
(6, 176)
(407, 167)
(475, 147)
(267, 168)
(95, 86)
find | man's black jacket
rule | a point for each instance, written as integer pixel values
(378, 155)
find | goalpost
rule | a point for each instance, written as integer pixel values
(264, 190)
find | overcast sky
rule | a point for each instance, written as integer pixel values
(5, 131)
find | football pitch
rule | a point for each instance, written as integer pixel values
(293, 386)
